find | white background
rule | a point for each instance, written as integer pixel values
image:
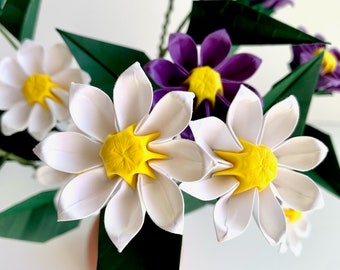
(137, 24)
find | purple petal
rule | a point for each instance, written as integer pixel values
(215, 48)
(183, 50)
(165, 73)
(239, 67)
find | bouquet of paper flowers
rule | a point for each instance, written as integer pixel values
(136, 143)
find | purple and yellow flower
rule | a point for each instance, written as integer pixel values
(255, 166)
(125, 158)
(272, 4)
(34, 88)
(213, 77)
(329, 77)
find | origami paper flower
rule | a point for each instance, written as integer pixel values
(213, 77)
(329, 78)
(254, 163)
(298, 227)
(127, 159)
(34, 88)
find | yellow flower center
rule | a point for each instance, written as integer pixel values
(329, 61)
(127, 155)
(205, 83)
(254, 166)
(38, 87)
(292, 215)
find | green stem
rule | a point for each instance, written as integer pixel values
(162, 49)
(10, 156)
(8, 37)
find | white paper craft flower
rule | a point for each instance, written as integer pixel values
(128, 157)
(34, 88)
(298, 227)
(254, 163)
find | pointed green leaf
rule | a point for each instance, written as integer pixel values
(103, 61)
(34, 219)
(151, 248)
(244, 24)
(191, 203)
(327, 174)
(20, 17)
(301, 83)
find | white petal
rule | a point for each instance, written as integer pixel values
(58, 110)
(57, 58)
(269, 216)
(69, 152)
(9, 96)
(232, 214)
(163, 202)
(92, 111)
(280, 122)
(62, 94)
(30, 56)
(124, 216)
(301, 153)
(170, 116)
(15, 119)
(11, 73)
(132, 96)
(211, 188)
(245, 115)
(68, 76)
(49, 176)
(186, 160)
(214, 133)
(40, 122)
(298, 190)
(85, 194)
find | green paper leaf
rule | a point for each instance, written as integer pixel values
(327, 174)
(103, 61)
(34, 219)
(301, 83)
(244, 24)
(191, 203)
(151, 248)
(20, 17)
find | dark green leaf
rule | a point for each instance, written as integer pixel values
(103, 61)
(191, 203)
(34, 219)
(151, 248)
(20, 17)
(301, 83)
(327, 174)
(244, 24)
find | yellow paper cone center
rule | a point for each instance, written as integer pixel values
(292, 215)
(254, 167)
(329, 61)
(205, 83)
(127, 155)
(38, 87)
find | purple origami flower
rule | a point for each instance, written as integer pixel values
(272, 4)
(329, 78)
(213, 77)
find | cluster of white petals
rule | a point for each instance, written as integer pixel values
(245, 120)
(92, 188)
(24, 76)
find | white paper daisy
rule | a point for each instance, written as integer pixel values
(255, 163)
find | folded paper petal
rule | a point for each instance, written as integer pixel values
(85, 194)
(211, 188)
(232, 214)
(301, 153)
(30, 57)
(124, 216)
(15, 119)
(57, 58)
(92, 111)
(69, 152)
(269, 216)
(163, 202)
(298, 190)
(11, 73)
(178, 108)
(40, 122)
